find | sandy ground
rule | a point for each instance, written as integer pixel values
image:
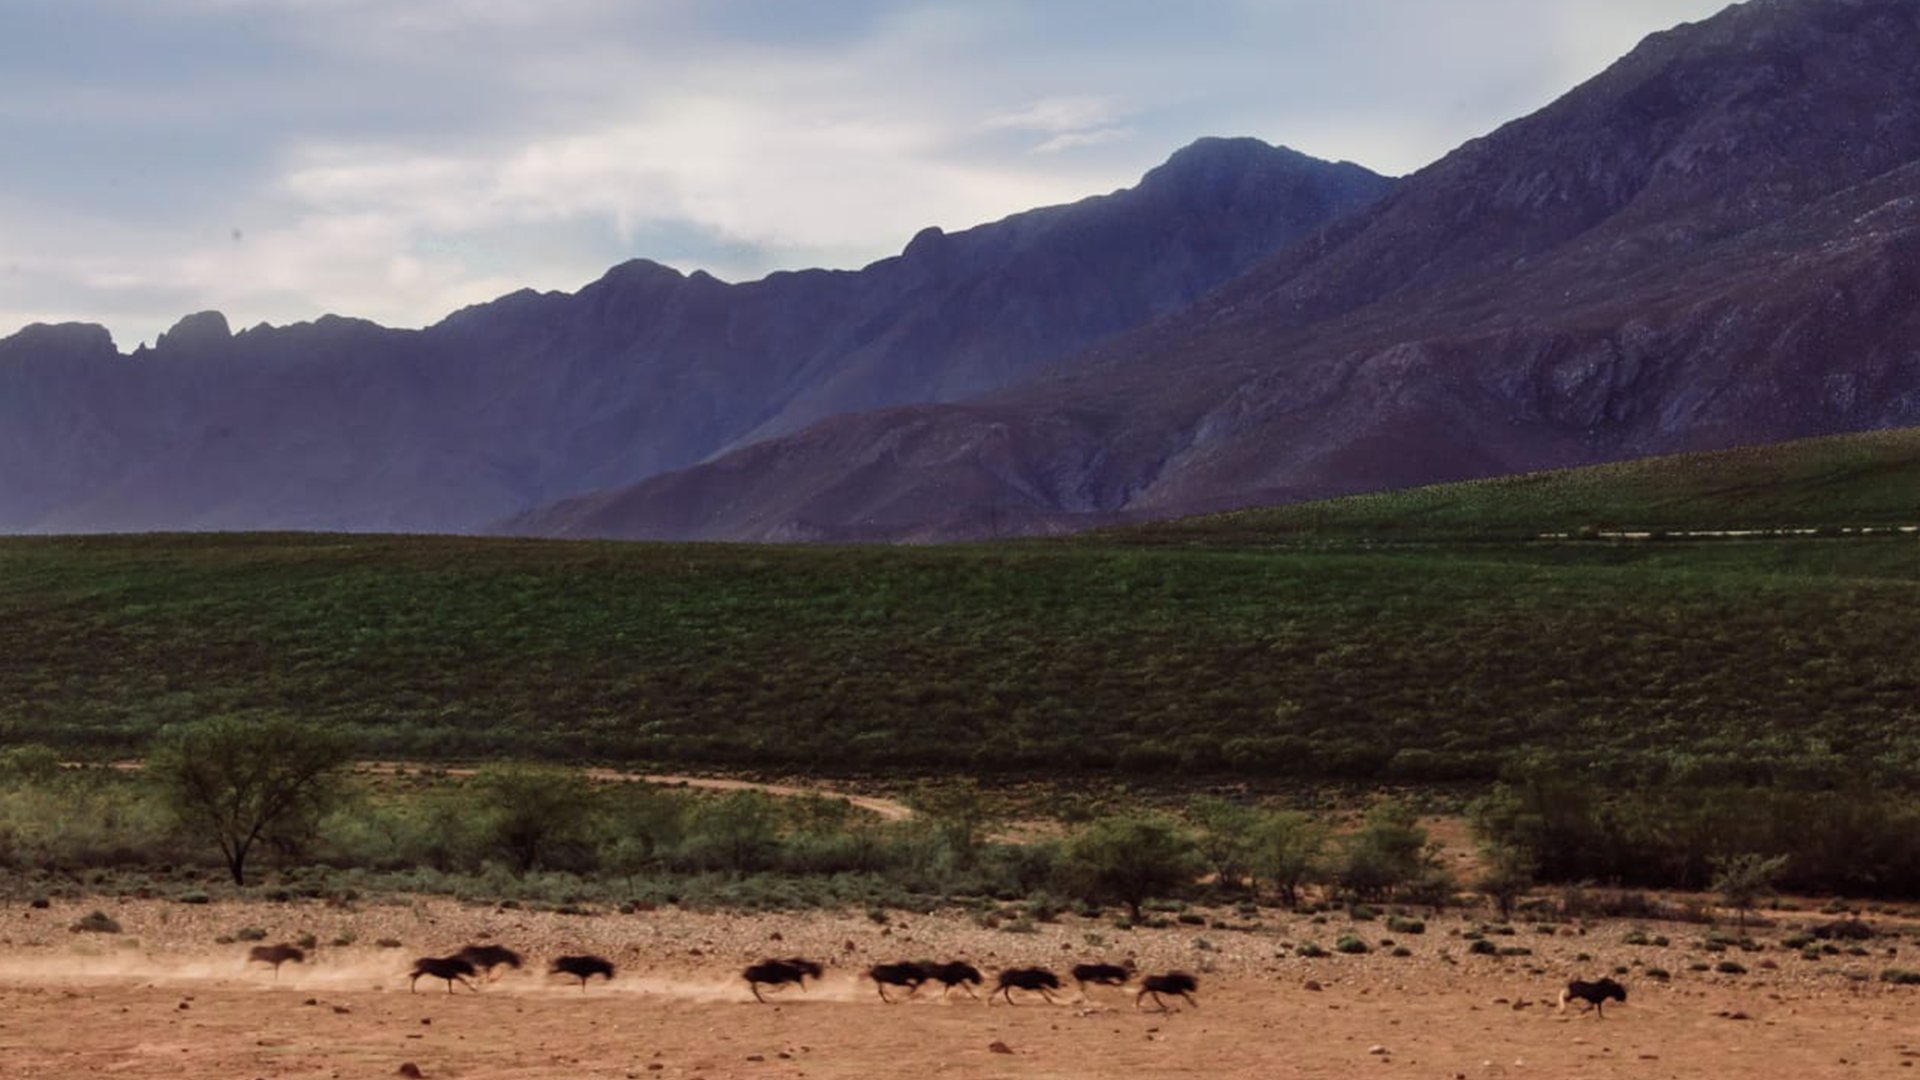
(162, 1000)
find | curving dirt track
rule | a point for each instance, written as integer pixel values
(174, 1005)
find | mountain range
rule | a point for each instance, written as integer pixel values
(1714, 242)
(342, 424)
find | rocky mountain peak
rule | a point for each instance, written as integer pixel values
(204, 330)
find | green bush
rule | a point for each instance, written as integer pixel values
(1389, 853)
(1730, 967)
(1398, 925)
(1128, 860)
(1349, 943)
(1287, 849)
(1900, 976)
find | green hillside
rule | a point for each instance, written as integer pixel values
(1862, 480)
(1425, 663)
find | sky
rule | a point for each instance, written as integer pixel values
(399, 159)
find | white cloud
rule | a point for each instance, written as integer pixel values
(398, 160)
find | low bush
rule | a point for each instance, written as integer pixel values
(96, 922)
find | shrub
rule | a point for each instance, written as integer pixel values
(1398, 925)
(1742, 880)
(96, 922)
(1900, 976)
(250, 933)
(1349, 943)
(1730, 967)
(1483, 947)
(1310, 950)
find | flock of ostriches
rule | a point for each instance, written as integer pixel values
(481, 962)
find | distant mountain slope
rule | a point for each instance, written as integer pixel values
(1714, 242)
(1864, 480)
(341, 424)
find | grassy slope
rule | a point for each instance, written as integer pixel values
(1443, 656)
(1845, 480)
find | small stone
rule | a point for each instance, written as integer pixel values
(1376, 1048)
(999, 1047)
(341, 1009)
(409, 1069)
(1312, 984)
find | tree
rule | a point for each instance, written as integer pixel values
(1226, 831)
(1129, 859)
(737, 831)
(534, 815)
(1387, 853)
(1507, 877)
(958, 815)
(1741, 880)
(1286, 847)
(241, 781)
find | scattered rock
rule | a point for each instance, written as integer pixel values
(341, 1009)
(996, 1045)
(1312, 984)
(1376, 1048)
(409, 1069)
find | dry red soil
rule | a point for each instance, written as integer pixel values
(161, 999)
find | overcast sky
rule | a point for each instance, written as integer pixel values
(397, 159)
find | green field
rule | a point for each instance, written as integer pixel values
(1281, 644)
(1864, 480)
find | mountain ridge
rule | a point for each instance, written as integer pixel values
(1706, 244)
(342, 424)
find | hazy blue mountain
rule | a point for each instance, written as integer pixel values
(342, 424)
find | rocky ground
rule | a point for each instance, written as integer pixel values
(163, 999)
